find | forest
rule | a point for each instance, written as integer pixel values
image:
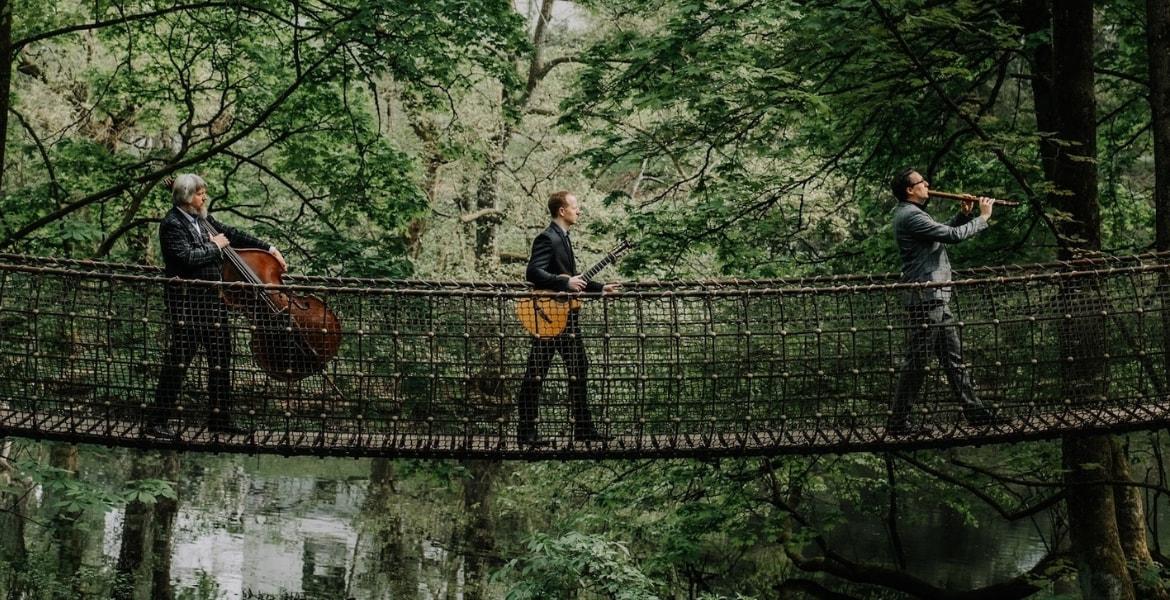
(729, 138)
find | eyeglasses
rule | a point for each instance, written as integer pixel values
(920, 181)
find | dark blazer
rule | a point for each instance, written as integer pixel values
(922, 243)
(552, 261)
(189, 254)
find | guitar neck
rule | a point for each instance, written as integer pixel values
(595, 269)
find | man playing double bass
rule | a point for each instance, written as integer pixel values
(197, 314)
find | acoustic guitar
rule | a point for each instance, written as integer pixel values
(546, 312)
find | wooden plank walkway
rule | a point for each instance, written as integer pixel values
(350, 439)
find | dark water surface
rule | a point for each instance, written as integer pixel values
(277, 527)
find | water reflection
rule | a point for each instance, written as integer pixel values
(258, 529)
(940, 548)
(277, 527)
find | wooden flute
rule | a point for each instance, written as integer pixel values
(948, 195)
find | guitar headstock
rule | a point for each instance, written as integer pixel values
(622, 247)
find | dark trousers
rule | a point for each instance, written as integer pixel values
(572, 350)
(198, 319)
(932, 333)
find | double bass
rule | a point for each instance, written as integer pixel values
(293, 336)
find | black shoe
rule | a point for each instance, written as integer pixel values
(591, 435)
(905, 429)
(987, 420)
(532, 440)
(228, 428)
(162, 432)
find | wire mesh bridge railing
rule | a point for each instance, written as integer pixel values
(432, 369)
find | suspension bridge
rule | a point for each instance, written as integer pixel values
(431, 369)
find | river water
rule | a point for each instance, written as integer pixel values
(289, 527)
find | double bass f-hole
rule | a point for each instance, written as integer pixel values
(293, 336)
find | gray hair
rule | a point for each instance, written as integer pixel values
(184, 188)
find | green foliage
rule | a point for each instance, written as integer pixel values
(437, 473)
(33, 578)
(563, 566)
(148, 491)
(281, 105)
(764, 133)
(686, 524)
(74, 495)
(206, 588)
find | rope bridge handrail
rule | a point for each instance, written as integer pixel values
(684, 368)
(22, 261)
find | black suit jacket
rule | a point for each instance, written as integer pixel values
(552, 259)
(189, 254)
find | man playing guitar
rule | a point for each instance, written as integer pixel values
(552, 266)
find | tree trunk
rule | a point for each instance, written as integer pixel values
(13, 550)
(162, 531)
(478, 541)
(5, 80)
(487, 203)
(1070, 162)
(1158, 43)
(1158, 50)
(144, 560)
(68, 536)
(487, 192)
(1131, 527)
(392, 563)
(433, 160)
(1092, 523)
(1036, 18)
(1074, 172)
